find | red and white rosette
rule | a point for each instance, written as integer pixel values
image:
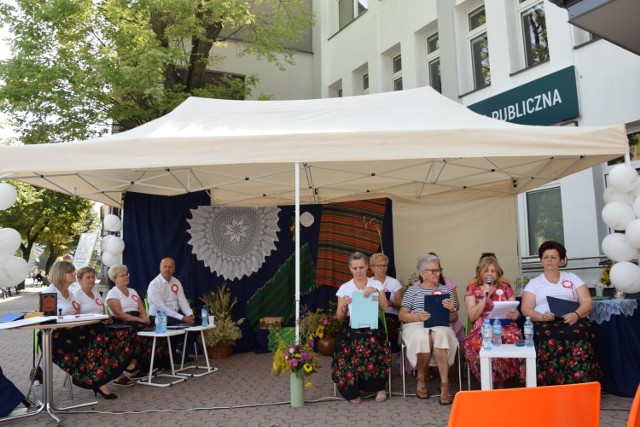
(135, 298)
(98, 302)
(174, 288)
(76, 306)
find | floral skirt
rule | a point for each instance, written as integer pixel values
(93, 354)
(142, 346)
(361, 359)
(565, 354)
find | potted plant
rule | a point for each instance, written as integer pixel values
(219, 340)
(324, 325)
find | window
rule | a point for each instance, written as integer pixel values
(348, 10)
(634, 149)
(433, 61)
(581, 37)
(479, 48)
(534, 32)
(396, 66)
(544, 217)
(365, 83)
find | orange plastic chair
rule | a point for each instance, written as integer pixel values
(634, 414)
(571, 405)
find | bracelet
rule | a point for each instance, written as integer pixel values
(578, 314)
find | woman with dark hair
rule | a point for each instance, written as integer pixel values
(362, 356)
(564, 346)
(93, 355)
(487, 287)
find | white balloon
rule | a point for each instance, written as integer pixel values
(115, 245)
(8, 196)
(617, 215)
(105, 242)
(13, 271)
(623, 177)
(110, 259)
(617, 247)
(112, 223)
(632, 233)
(9, 242)
(610, 194)
(625, 276)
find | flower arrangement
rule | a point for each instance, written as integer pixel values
(300, 359)
(220, 304)
(322, 322)
(604, 276)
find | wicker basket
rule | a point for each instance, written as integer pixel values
(220, 352)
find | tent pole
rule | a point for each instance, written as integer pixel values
(297, 249)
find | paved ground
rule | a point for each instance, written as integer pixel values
(242, 393)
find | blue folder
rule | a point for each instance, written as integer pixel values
(10, 317)
(364, 311)
(439, 314)
(559, 307)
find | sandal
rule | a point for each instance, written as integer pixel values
(124, 382)
(381, 396)
(421, 391)
(445, 399)
(356, 401)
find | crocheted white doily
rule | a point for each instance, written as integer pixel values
(233, 242)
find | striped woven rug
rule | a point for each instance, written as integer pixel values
(346, 228)
(277, 296)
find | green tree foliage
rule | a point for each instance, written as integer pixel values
(78, 67)
(48, 218)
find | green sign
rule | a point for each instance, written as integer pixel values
(545, 101)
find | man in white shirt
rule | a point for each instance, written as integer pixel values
(166, 294)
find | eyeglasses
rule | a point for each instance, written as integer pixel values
(434, 270)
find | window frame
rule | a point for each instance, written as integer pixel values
(475, 34)
(432, 57)
(532, 251)
(396, 77)
(527, 47)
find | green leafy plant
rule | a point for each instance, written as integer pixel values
(227, 331)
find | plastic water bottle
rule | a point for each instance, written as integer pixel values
(528, 332)
(497, 333)
(205, 316)
(161, 322)
(37, 392)
(487, 335)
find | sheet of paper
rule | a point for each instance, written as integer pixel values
(364, 311)
(502, 308)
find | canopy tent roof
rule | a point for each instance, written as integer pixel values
(411, 144)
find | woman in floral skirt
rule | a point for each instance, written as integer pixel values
(92, 354)
(361, 356)
(487, 287)
(565, 346)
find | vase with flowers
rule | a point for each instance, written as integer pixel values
(323, 324)
(301, 361)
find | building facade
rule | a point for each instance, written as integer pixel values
(515, 60)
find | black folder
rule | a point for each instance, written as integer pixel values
(439, 314)
(559, 307)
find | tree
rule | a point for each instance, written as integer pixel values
(48, 218)
(79, 67)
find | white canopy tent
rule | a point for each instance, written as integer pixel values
(452, 174)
